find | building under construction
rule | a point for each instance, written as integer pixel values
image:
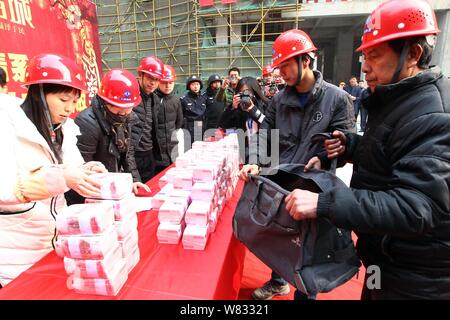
(203, 40)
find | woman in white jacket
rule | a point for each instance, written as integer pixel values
(40, 162)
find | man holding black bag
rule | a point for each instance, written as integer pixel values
(398, 203)
(308, 105)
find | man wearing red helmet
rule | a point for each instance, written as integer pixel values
(41, 161)
(308, 105)
(270, 88)
(150, 70)
(170, 119)
(106, 126)
(398, 203)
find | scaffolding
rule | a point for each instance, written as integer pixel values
(195, 40)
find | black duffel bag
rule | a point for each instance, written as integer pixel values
(313, 255)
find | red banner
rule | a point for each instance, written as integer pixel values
(205, 3)
(67, 27)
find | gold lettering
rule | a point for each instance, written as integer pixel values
(3, 10)
(18, 66)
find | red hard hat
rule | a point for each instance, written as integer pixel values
(152, 66)
(53, 68)
(267, 71)
(169, 74)
(398, 19)
(290, 44)
(120, 88)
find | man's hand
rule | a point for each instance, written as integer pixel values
(313, 163)
(335, 147)
(226, 83)
(248, 169)
(302, 204)
(137, 185)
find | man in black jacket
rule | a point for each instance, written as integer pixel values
(398, 203)
(214, 108)
(308, 105)
(105, 127)
(144, 131)
(194, 107)
(170, 119)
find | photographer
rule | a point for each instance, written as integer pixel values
(247, 109)
(228, 90)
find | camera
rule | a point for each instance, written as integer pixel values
(246, 100)
(271, 89)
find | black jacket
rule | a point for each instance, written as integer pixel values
(327, 109)
(144, 133)
(214, 109)
(170, 119)
(96, 143)
(194, 107)
(399, 200)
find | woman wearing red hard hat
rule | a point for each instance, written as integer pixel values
(106, 126)
(41, 161)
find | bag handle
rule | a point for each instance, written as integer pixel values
(265, 220)
(320, 138)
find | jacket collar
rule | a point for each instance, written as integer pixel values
(97, 108)
(291, 95)
(193, 95)
(385, 94)
(163, 95)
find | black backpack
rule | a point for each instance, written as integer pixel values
(313, 255)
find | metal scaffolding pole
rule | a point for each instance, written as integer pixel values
(190, 37)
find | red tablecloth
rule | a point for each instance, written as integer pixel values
(164, 271)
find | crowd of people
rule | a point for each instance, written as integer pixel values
(398, 202)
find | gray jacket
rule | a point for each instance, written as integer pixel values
(327, 109)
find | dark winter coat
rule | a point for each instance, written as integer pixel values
(399, 200)
(170, 119)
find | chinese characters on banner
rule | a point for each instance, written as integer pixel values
(65, 27)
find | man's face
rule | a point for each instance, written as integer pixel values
(194, 87)
(148, 83)
(166, 87)
(380, 63)
(353, 82)
(361, 84)
(216, 85)
(234, 77)
(267, 79)
(119, 111)
(277, 77)
(289, 71)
